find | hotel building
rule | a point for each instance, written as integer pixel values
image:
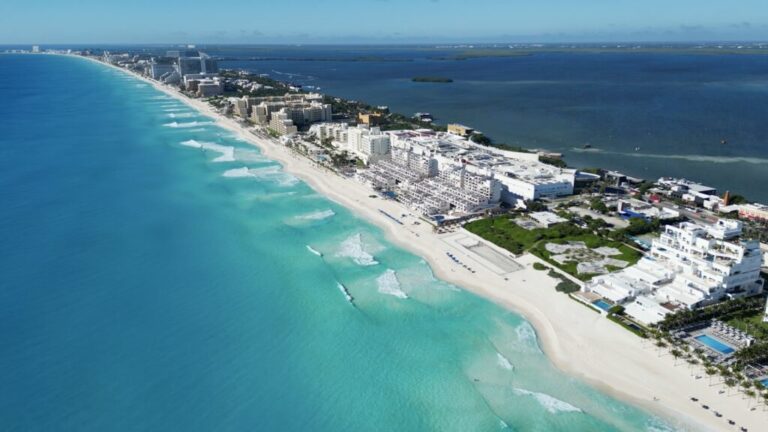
(689, 266)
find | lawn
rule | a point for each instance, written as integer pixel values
(504, 232)
(752, 324)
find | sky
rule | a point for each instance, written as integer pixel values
(379, 21)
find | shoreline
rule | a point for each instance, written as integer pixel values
(576, 340)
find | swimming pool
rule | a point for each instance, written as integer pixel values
(715, 344)
(764, 382)
(602, 304)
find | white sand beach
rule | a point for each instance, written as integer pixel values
(576, 339)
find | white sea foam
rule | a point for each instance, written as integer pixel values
(161, 97)
(181, 114)
(172, 108)
(346, 293)
(654, 424)
(550, 403)
(388, 284)
(141, 85)
(317, 215)
(238, 173)
(353, 248)
(250, 156)
(314, 251)
(227, 152)
(526, 337)
(188, 124)
(270, 173)
(503, 361)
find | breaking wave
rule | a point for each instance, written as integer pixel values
(314, 251)
(179, 114)
(346, 293)
(550, 403)
(188, 124)
(388, 284)
(250, 156)
(316, 216)
(271, 173)
(526, 337)
(353, 248)
(227, 152)
(503, 361)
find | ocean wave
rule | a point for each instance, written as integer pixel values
(161, 97)
(271, 173)
(549, 403)
(227, 152)
(172, 108)
(655, 424)
(314, 251)
(250, 156)
(526, 336)
(690, 158)
(188, 124)
(317, 215)
(388, 284)
(181, 114)
(503, 361)
(353, 248)
(346, 293)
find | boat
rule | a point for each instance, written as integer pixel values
(587, 146)
(723, 141)
(637, 148)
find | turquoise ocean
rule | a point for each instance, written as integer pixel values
(159, 274)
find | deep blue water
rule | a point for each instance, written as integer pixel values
(156, 276)
(675, 108)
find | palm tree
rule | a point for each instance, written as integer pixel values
(709, 370)
(676, 353)
(750, 394)
(730, 383)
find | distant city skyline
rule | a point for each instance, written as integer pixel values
(380, 21)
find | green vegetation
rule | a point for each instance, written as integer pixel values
(751, 324)
(565, 286)
(504, 232)
(592, 241)
(645, 186)
(737, 199)
(539, 266)
(554, 161)
(620, 319)
(640, 226)
(598, 205)
(432, 79)
(725, 311)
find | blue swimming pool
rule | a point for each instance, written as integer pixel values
(602, 304)
(764, 382)
(715, 344)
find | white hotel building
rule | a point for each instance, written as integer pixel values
(689, 266)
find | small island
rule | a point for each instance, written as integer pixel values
(432, 79)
